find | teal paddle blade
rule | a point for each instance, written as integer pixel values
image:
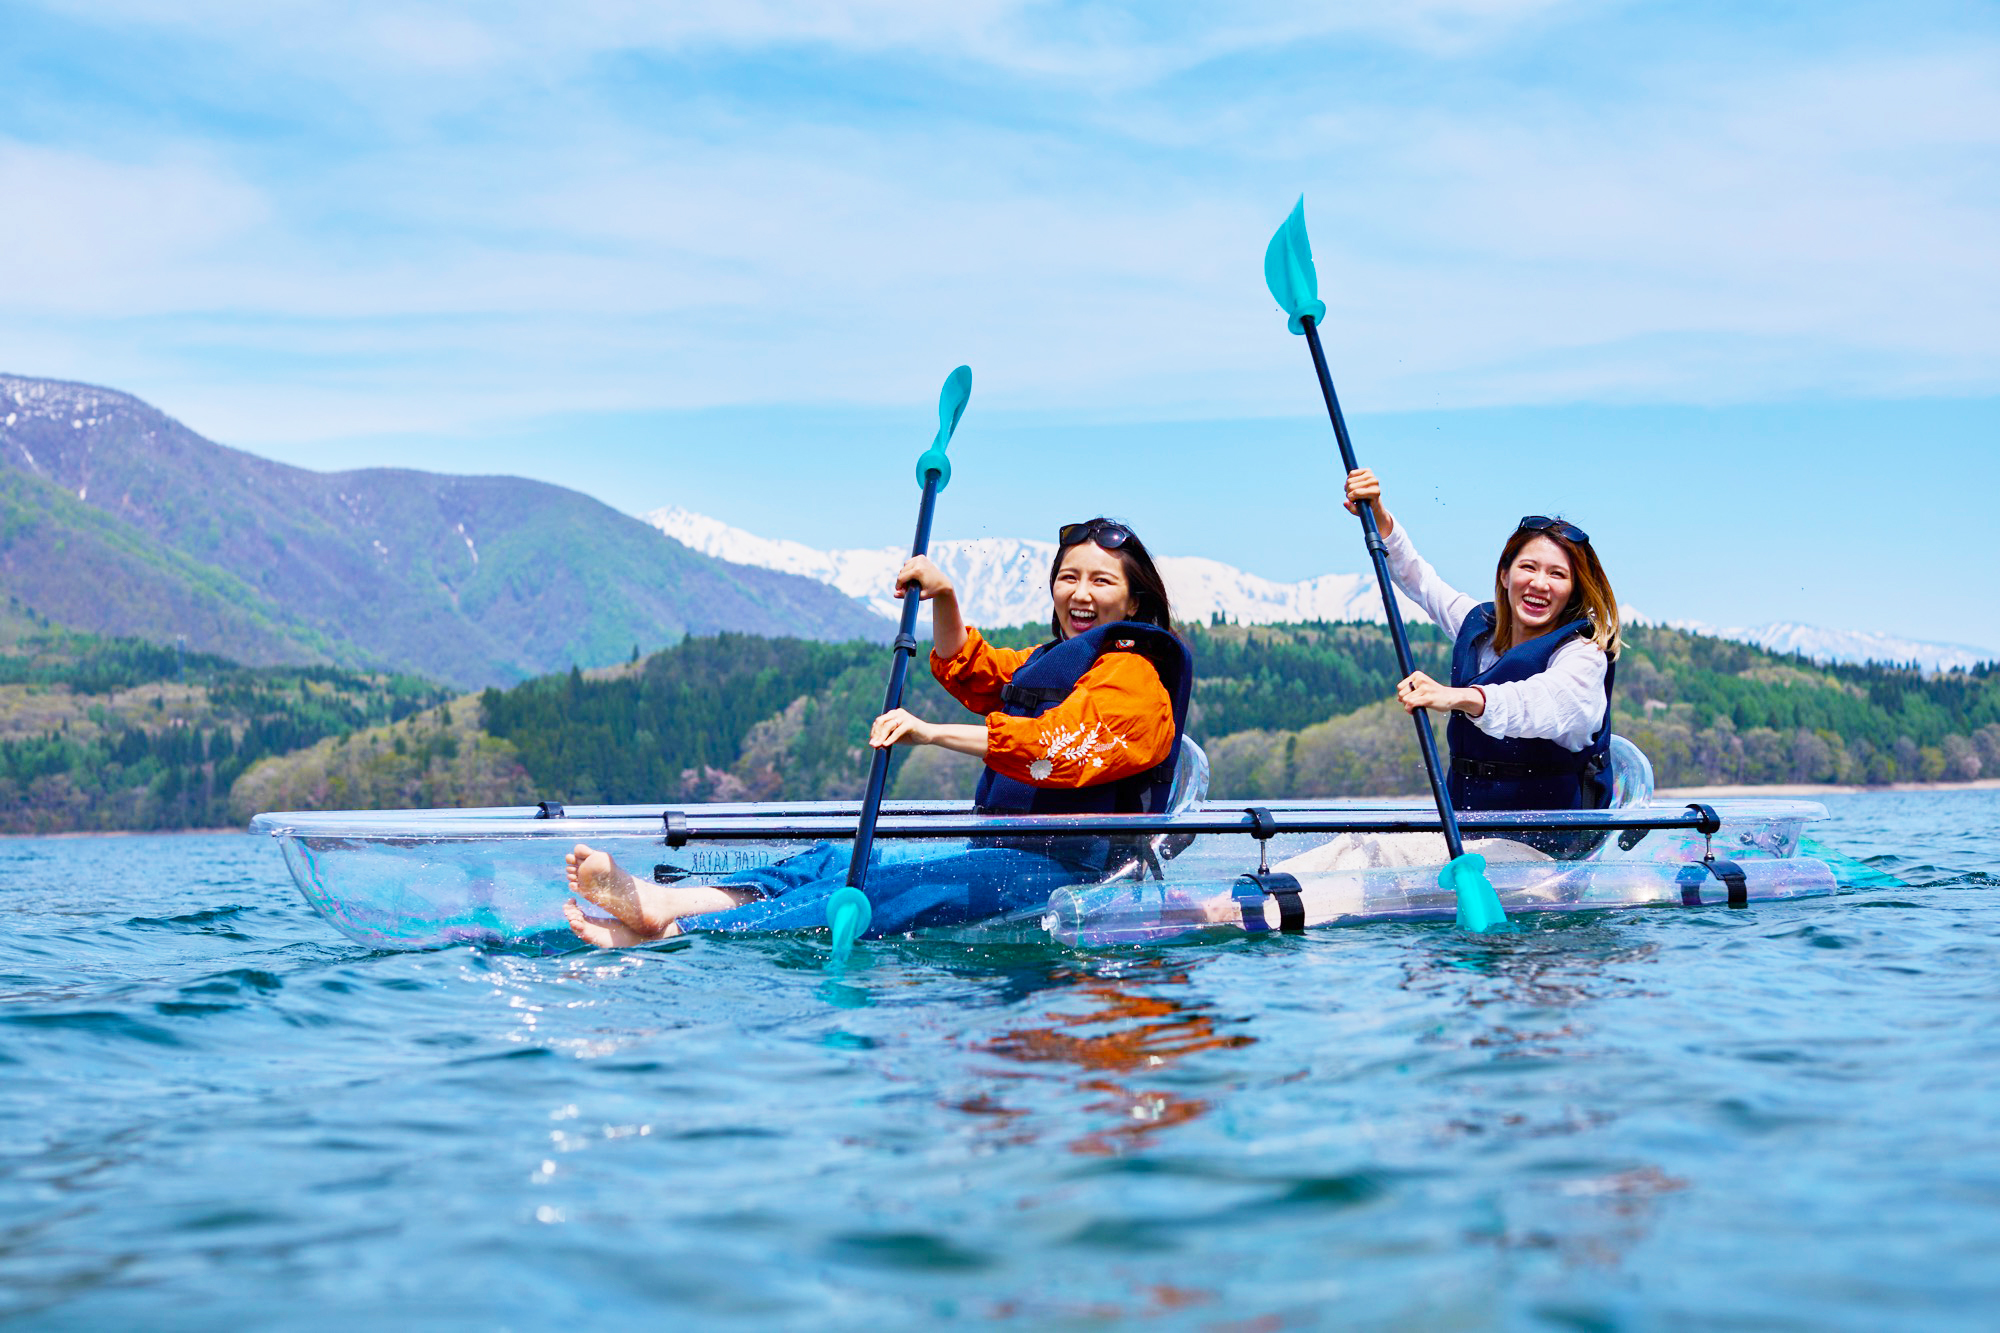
(1479, 909)
(1288, 271)
(951, 406)
(848, 913)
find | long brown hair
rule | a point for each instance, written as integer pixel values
(1590, 592)
(1149, 590)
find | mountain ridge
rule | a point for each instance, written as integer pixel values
(117, 519)
(1002, 581)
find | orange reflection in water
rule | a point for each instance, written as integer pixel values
(1142, 1031)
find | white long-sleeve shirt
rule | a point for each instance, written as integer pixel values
(1564, 704)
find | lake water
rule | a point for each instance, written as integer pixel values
(216, 1112)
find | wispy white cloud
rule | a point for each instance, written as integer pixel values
(84, 235)
(1095, 43)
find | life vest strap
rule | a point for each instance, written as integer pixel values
(1033, 696)
(1498, 770)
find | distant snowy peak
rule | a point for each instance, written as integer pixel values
(1836, 645)
(1004, 580)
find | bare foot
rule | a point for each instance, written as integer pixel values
(603, 931)
(594, 876)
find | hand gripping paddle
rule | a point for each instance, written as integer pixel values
(1288, 272)
(848, 911)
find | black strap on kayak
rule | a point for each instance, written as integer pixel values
(1695, 873)
(548, 810)
(1250, 892)
(676, 825)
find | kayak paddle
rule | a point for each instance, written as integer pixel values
(848, 911)
(1288, 272)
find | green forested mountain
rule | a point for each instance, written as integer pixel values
(118, 520)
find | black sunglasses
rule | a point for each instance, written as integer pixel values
(1103, 531)
(1569, 532)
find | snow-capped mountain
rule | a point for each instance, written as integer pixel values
(1846, 645)
(1004, 581)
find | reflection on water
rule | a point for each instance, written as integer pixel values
(1555, 962)
(1100, 1026)
(1536, 1001)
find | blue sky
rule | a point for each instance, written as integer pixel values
(1720, 282)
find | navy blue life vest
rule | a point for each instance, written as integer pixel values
(1522, 773)
(1050, 676)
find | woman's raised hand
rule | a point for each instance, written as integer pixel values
(930, 580)
(1364, 485)
(899, 726)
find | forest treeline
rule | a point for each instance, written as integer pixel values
(118, 734)
(103, 733)
(1283, 710)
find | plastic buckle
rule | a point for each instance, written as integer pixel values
(1263, 828)
(1708, 824)
(548, 810)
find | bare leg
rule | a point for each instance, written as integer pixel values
(645, 910)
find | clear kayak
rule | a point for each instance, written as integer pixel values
(415, 879)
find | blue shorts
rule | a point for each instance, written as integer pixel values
(909, 887)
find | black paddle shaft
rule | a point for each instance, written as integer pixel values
(1379, 553)
(899, 671)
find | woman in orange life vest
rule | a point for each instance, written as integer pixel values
(1088, 722)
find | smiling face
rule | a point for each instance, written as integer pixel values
(1090, 589)
(1539, 584)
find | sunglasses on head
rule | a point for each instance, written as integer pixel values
(1569, 532)
(1103, 531)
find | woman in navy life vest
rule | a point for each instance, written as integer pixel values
(1531, 671)
(1089, 722)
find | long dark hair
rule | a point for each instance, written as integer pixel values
(1149, 590)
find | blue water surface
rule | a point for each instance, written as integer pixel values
(216, 1112)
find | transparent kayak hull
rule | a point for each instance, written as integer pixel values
(417, 879)
(1107, 915)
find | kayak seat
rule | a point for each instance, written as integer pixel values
(1631, 775)
(1149, 855)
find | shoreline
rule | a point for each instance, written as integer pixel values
(1824, 788)
(129, 833)
(1671, 793)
